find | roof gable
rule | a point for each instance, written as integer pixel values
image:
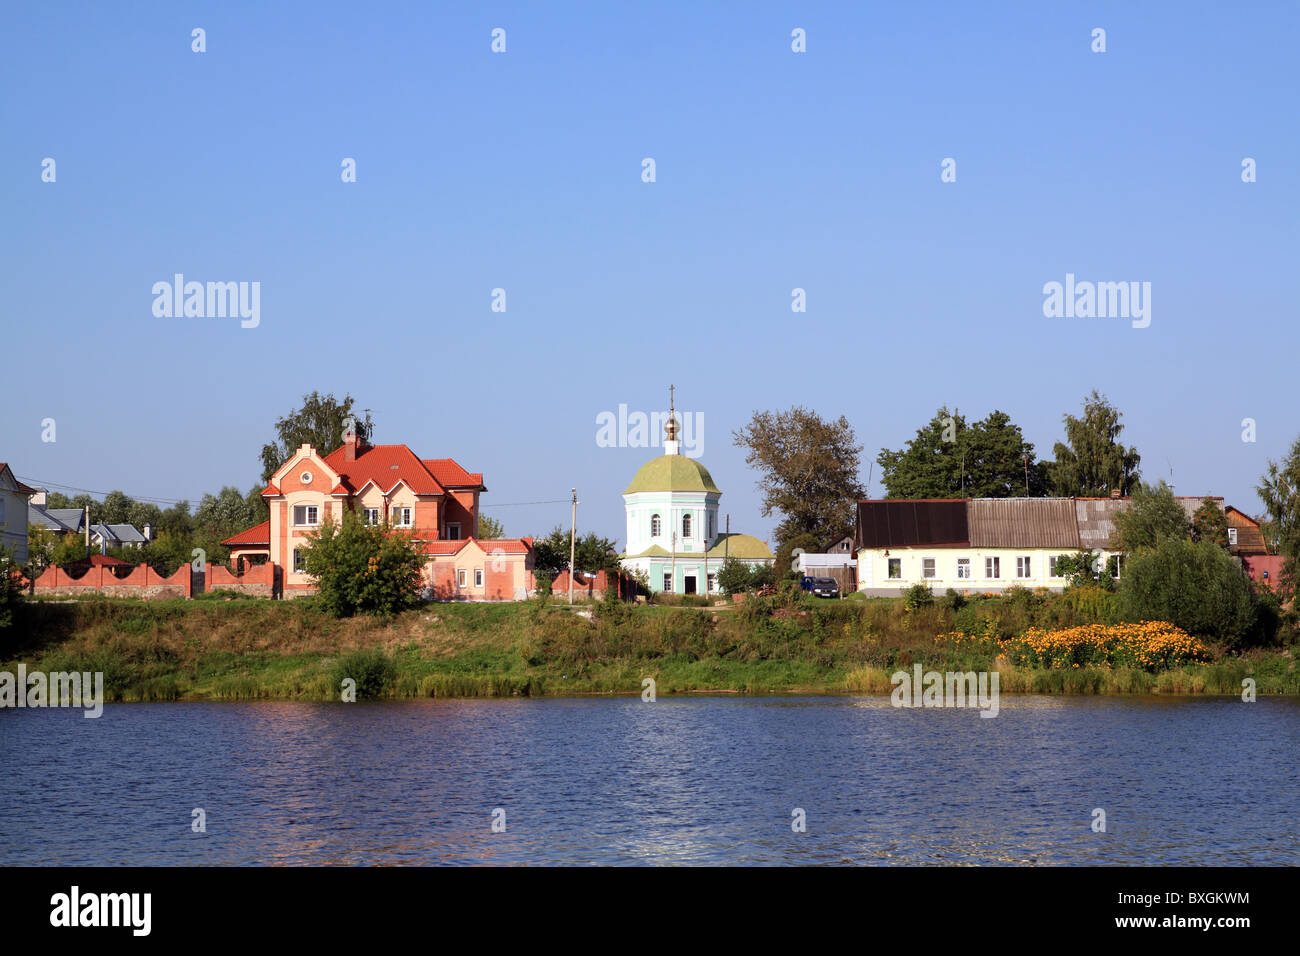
(384, 466)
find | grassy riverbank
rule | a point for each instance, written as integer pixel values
(257, 649)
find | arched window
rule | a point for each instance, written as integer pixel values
(686, 525)
(654, 526)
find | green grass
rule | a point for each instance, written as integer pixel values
(288, 650)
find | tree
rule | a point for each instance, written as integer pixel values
(1195, 585)
(785, 553)
(809, 468)
(10, 589)
(1209, 523)
(40, 550)
(1279, 489)
(319, 423)
(949, 459)
(737, 577)
(1153, 515)
(363, 568)
(1092, 462)
(591, 553)
(489, 529)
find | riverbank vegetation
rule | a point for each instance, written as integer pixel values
(227, 648)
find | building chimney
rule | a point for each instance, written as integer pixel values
(148, 531)
(38, 499)
(350, 443)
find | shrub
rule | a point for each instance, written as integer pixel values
(1149, 645)
(917, 596)
(373, 670)
(1195, 585)
(363, 568)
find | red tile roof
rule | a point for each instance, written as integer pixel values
(447, 548)
(451, 474)
(385, 465)
(261, 534)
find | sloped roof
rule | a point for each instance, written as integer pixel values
(258, 534)
(445, 548)
(743, 546)
(18, 485)
(1096, 520)
(385, 465)
(73, 518)
(40, 518)
(451, 475)
(897, 523)
(672, 473)
(1023, 523)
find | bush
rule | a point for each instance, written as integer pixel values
(363, 568)
(373, 670)
(1196, 585)
(917, 596)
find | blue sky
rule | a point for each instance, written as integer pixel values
(522, 171)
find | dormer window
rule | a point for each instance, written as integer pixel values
(654, 526)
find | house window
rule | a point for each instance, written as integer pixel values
(668, 581)
(654, 526)
(460, 578)
(305, 477)
(1114, 565)
(712, 516)
(713, 583)
(372, 516)
(401, 517)
(305, 515)
(1232, 532)
(927, 567)
(993, 567)
(1022, 567)
(686, 525)
(297, 560)
(963, 569)
(478, 577)
(896, 568)
(453, 530)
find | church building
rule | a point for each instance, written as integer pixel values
(673, 529)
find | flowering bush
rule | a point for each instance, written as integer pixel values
(1150, 645)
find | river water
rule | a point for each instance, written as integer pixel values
(709, 780)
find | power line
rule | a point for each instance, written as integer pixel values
(27, 479)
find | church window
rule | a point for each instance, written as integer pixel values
(654, 526)
(686, 526)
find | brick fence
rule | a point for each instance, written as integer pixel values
(144, 582)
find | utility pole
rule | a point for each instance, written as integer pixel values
(673, 579)
(726, 544)
(573, 531)
(1026, 476)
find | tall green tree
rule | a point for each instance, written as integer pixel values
(1210, 523)
(1153, 515)
(950, 459)
(591, 552)
(1279, 489)
(360, 568)
(809, 471)
(320, 422)
(489, 529)
(1092, 462)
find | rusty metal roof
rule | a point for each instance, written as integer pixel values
(1096, 518)
(1023, 523)
(902, 523)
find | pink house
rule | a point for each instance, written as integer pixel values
(435, 499)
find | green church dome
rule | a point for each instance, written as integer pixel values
(672, 473)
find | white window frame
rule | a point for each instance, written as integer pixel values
(929, 568)
(686, 525)
(1024, 566)
(1232, 532)
(656, 525)
(372, 515)
(297, 561)
(307, 516)
(1051, 567)
(889, 569)
(668, 582)
(403, 516)
(963, 565)
(478, 577)
(461, 577)
(993, 568)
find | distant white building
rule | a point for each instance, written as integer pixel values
(14, 496)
